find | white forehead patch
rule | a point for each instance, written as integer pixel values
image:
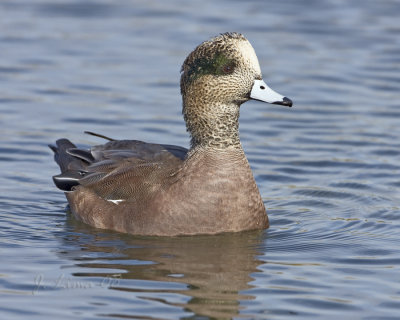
(249, 55)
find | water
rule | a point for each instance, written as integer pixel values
(328, 169)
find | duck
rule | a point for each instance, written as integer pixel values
(150, 189)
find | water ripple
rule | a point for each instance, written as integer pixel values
(328, 168)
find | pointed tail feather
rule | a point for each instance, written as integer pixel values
(72, 164)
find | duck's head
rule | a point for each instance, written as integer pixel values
(225, 69)
(216, 78)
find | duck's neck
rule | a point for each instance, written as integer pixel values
(212, 125)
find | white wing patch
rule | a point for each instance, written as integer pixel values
(116, 201)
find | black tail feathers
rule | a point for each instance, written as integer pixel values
(72, 162)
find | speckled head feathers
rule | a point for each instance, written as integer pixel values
(217, 77)
(210, 47)
(222, 55)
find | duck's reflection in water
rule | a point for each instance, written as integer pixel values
(213, 269)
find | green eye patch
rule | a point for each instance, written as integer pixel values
(219, 65)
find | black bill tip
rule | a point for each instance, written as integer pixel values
(285, 102)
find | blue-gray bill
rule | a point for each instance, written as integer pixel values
(262, 92)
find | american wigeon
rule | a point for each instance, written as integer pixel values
(151, 189)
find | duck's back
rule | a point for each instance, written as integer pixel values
(98, 180)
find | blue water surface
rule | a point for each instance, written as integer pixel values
(328, 168)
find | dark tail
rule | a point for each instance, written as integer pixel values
(72, 162)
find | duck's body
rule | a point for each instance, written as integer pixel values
(205, 193)
(149, 189)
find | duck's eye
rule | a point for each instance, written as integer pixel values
(228, 68)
